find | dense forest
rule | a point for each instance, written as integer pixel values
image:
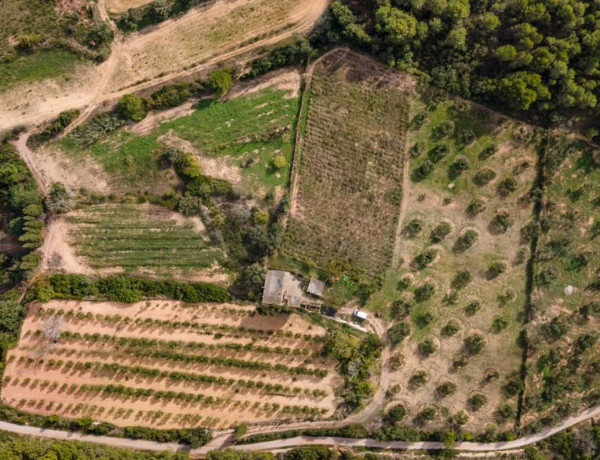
(539, 56)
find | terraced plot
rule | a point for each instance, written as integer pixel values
(351, 170)
(167, 364)
(142, 239)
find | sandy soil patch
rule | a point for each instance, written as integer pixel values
(122, 6)
(154, 118)
(286, 80)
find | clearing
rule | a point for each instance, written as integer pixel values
(135, 239)
(351, 166)
(165, 364)
(122, 6)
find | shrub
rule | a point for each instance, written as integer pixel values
(220, 81)
(396, 413)
(424, 170)
(477, 401)
(170, 96)
(507, 186)
(507, 411)
(451, 328)
(279, 162)
(132, 107)
(466, 137)
(466, 240)
(476, 206)
(399, 332)
(425, 258)
(460, 418)
(499, 324)
(427, 347)
(416, 150)
(488, 152)
(501, 222)
(401, 308)
(440, 232)
(428, 414)
(513, 386)
(484, 176)
(418, 379)
(495, 269)
(459, 362)
(474, 344)
(414, 227)
(461, 279)
(404, 283)
(446, 388)
(424, 292)
(442, 130)
(437, 153)
(457, 168)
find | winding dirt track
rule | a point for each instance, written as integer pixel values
(130, 67)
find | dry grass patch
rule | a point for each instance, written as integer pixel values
(350, 184)
(167, 364)
(463, 270)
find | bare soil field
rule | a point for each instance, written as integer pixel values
(122, 6)
(351, 166)
(463, 251)
(167, 364)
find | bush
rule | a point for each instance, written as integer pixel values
(399, 332)
(444, 129)
(477, 401)
(419, 379)
(507, 411)
(501, 222)
(495, 269)
(451, 328)
(507, 186)
(424, 170)
(461, 279)
(474, 344)
(488, 152)
(425, 258)
(279, 162)
(170, 96)
(466, 240)
(457, 168)
(484, 176)
(401, 308)
(428, 414)
(460, 418)
(220, 81)
(132, 107)
(437, 153)
(499, 324)
(476, 206)
(424, 292)
(59, 200)
(396, 413)
(440, 232)
(414, 227)
(513, 386)
(416, 150)
(427, 347)
(446, 388)
(54, 128)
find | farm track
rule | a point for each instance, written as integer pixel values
(301, 21)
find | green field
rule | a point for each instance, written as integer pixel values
(246, 133)
(37, 66)
(140, 239)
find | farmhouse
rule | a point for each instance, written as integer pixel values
(316, 287)
(282, 288)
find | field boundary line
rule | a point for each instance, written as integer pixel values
(404, 200)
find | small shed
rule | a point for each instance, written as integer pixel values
(282, 288)
(316, 287)
(360, 314)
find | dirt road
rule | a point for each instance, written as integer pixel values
(223, 441)
(144, 60)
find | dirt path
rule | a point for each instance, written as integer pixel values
(222, 441)
(403, 205)
(108, 84)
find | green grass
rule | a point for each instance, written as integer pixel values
(37, 66)
(140, 239)
(257, 126)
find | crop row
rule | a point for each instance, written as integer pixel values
(140, 342)
(115, 368)
(206, 328)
